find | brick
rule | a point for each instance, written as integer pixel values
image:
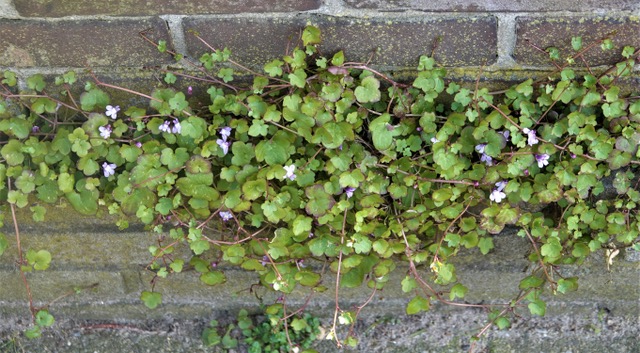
(398, 42)
(544, 32)
(75, 43)
(494, 5)
(55, 8)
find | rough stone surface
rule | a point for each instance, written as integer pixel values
(463, 42)
(544, 32)
(54, 8)
(495, 5)
(601, 317)
(74, 43)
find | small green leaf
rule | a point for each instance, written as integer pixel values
(44, 319)
(537, 307)
(4, 244)
(368, 91)
(418, 304)
(310, 35)
(40, 260)
(212, 278)
(151, 299)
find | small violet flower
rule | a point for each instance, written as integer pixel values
(109, 169)
(139, 144)
(226, 215)
(171, 126)
(112, 111)
(484, 157)
(532, 139)
(349, 191)
(501, 185)
(165, 126)
(497, 196)
(35, 128)
(542, 159)
(225, 132)
(290, 169)
(434, 140)
(105, 131)
(176, 126)
(189, 90)
(224, 145)
(506, 134)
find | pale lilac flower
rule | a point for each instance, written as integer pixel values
(265, 260)
(176, 126)
(349, 191)
(486, 159)
(290, 169)
(542, 159)
(165, 126)
(506, 134)
(35, 128)
(225, 132)
(226, 215)
(224, 145)
(501, 185)
(139, 144)
(109, 169)
(531, 136)
(434, 140)
(189, 90)
(105, 131)
(112, 111)
(480, 147)
(497, 196)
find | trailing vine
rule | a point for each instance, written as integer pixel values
(323, 165)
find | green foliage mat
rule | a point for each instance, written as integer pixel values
(332, 161)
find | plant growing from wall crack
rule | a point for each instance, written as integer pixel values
(324, 165)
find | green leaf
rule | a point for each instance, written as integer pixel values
(537, 307)
(311, 35)
(531, 281)
(566, 285)
(36, 82)
(368, 91)
(274, 68)
(298, 78)
(4, 244)
(94, 98)
(44, 319)
(151, 299)
(457, 291)
(40, 260)
(319, 200)
(213, 278)
(418, 304)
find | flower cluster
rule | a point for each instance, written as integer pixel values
(225, 132)
(497, 195)
(171, 126)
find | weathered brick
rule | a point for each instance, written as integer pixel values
(397, 42)
(544, 32)
(494, 5)
(74, 43)
(55, 8)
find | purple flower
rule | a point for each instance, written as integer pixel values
(226, 215)
(290, 169)
(486, 159)
(105, 131)
(349, 191)
(112, 111)
(506, 134)
(138, 144)
(225, 132)
(497, 195)
(35, 128)
(501, 185)
(165, 126)
(480, 147)
(434, 140)
(189, 90)
(224, 145)
(265, 260)
(542, 159)
(108, 169)
(531, 136)
(176, 126)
